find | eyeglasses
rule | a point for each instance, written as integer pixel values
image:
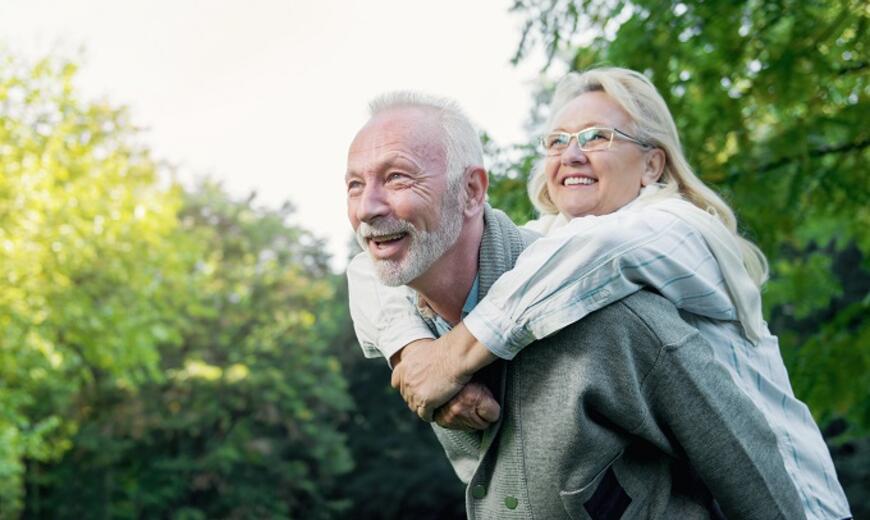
(590, 139)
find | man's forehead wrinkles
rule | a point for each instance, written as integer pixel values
(380, 149)
(381, 157)
(373, 138)
(399, 155)
(395, 158)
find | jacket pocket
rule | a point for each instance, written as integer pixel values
(603, 498)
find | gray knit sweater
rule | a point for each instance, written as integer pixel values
(625, 414)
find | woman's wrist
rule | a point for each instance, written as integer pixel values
(471, 354)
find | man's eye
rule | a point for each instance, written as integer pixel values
(396, 177)
(354, 186)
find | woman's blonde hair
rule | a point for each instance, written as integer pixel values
(653, 124)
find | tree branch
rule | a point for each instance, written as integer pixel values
(818, 152)
(851, 68)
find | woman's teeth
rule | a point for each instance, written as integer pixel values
(571, 181)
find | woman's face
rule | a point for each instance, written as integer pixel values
(598, 182)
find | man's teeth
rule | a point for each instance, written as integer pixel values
(571, 181)
(386, 238)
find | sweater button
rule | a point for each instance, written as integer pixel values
(511, 502)
(478, 491)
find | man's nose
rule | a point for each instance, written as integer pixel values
(372, 203)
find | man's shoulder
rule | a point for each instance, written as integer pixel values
(620, 344)
(658, 314)
(644, 320)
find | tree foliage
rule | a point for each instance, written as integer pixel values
(244, 423)
(163, 354)
(87, 268)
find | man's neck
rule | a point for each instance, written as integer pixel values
(445, 285)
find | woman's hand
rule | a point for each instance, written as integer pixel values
(430, 373)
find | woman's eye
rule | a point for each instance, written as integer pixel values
(557, 140)
(592, 135)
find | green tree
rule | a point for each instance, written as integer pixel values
(244, 421)
(87, 268)
(162, 354)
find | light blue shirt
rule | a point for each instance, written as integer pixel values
(441, 325)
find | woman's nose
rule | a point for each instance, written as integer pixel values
(572, 154)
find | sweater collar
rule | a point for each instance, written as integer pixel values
(500, 246)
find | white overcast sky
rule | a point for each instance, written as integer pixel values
(266, 95)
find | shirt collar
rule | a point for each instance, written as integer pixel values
(441, 325)
(471, 299)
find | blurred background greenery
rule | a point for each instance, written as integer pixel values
(180, 353)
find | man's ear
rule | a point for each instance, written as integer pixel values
(653, 167)
(476, 182)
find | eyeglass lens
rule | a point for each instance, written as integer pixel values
(588, 140)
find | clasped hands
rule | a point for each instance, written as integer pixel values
(434, 379)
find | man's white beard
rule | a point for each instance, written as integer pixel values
(425, 248)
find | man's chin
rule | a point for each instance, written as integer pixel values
(389, 273)
(395, 273)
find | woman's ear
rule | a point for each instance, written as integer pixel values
(654, 166)
(476, 183)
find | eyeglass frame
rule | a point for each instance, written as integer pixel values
(576, 137)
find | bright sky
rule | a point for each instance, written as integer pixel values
(267, 94)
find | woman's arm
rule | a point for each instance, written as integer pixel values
(559, 279)
(592, 262)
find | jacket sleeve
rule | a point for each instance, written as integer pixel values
(692, 403)
(385, 319)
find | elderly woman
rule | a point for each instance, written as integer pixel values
(620, 210)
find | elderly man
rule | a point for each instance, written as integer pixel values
(625, 414)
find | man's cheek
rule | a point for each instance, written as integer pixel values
(351, 215)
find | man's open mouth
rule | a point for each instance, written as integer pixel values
(387, 239)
